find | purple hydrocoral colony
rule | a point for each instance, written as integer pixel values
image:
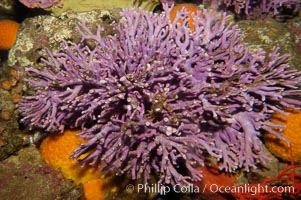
(159, 98)
(44, 4)
(262, 8)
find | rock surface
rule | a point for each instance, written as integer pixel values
(26, 176)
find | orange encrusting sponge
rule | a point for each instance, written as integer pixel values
(94, 189)
(190, 8)
(8, 33)
(292, 132)
(55, 150)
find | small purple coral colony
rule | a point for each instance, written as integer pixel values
(43, 4)
(262, 8)
(159, 98)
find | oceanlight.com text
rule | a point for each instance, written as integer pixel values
(247, 188)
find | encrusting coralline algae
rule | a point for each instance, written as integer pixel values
(157, 97)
